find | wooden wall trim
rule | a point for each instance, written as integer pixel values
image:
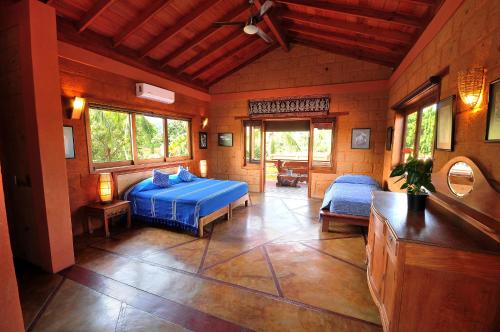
(444, 13)
(80, 55)
(339, 88)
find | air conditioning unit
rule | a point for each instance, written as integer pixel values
(151, 92)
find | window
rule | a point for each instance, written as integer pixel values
(150, 137)
(110, 136)
(322, 144)
(252, 141)
(119, 137)
(419, 133)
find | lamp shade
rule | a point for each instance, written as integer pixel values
(470, 85)
(203, 168)
(105, 187)
(78, 108)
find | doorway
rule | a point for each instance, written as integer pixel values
(286, 162)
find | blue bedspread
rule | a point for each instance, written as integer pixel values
(352, 196)
(186, 202)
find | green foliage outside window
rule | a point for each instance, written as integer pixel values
(110, 136)
(426, 137)
(322, 144)
(178, 135)
(150, 137)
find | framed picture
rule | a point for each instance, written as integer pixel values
(388, 138)
(225, 139)
(360, 138)
(493, 118)
(445, 124)
(69, 142)
(203, 140)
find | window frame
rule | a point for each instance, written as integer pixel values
(418, 109)
(135, 162)
(251, 124)
(332, 148)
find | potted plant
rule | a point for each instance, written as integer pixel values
(417, 174)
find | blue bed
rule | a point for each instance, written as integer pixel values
(183, 204)
(348, 199)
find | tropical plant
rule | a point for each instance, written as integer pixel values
(417, 173)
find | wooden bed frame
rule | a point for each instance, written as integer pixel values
(125, 180)
(326, 217)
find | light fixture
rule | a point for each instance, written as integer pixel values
(250, 28)
(470, 85)
(203, 168)
(204, 123)
(78, 106)
(105, 188)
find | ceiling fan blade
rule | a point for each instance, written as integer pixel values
(264, 36)
(265, 7)
(219, 24)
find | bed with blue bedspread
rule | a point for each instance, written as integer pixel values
(348, 199)
(184, 204)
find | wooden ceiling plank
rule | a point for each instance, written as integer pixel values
(246, 43)
(213, 48)
(364, 12)
(273, 25)
(395, 36)
(140, 20)
(244, 64)
(94, 12)
(232, 15)
(335, 36)
(341, 50)
(178, 26)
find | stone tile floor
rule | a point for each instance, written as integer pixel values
(267, 269)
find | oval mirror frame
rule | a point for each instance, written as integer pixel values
(460, 179)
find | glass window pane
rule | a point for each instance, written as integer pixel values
(426, 135)
(110, 136)
(150, 135)
(178, 136)
(322, 145)
(247, 144)
(256, 144)
(411, 130)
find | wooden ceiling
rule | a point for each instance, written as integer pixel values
(176, 38)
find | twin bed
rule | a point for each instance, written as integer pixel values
(187, 205)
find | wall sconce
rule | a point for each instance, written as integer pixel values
(105, 188)
(203, 168)
(204, 123)
(78, 106)
(470, 85)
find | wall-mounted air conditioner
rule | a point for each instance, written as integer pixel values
(151, 92)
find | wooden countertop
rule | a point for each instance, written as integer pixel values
(434, 226)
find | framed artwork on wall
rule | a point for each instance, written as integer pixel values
(69, 142)
(225, 139)
(493, 118)
(388, 138)
(360, 138)
(203, 140)
(445, 124)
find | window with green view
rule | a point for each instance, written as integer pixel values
(178, 138)
(419, 133)
(150, 137)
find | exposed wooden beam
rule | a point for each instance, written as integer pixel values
(358, 11)
(273, 25)
(363, 29)
(140, 20)
(429, 3)
(232, 15)
(243, 64)
(94, 12)
(345, 50)
(213, 48)
(363, 42)
(178, 26)
(250, 40)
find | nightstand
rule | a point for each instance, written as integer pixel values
(106, 212)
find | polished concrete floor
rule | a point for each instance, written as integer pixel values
(268, 269)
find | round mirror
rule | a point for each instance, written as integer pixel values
(460, 179)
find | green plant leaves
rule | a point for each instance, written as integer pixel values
(418, 174)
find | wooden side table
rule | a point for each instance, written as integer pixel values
(106, 212)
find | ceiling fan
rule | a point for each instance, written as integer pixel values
(250, 27)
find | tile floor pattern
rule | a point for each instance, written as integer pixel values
(268, 269)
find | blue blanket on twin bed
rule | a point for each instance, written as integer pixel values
(184, 203)
(350, 194)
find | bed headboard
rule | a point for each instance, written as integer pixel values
(124, 180)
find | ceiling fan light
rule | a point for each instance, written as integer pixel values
(250, 29)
